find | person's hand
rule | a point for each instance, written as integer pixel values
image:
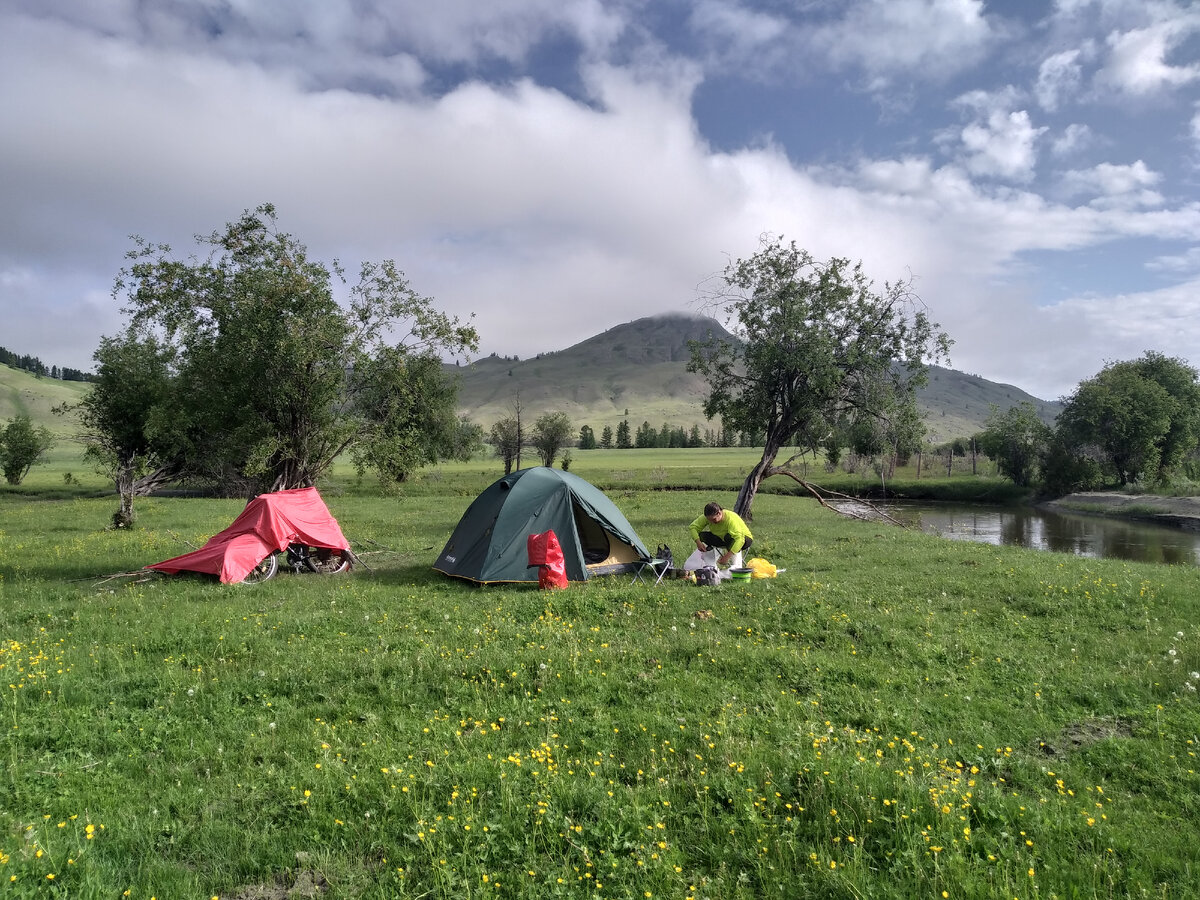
(725, 558)
(701, 546)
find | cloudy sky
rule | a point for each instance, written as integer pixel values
(557, 167)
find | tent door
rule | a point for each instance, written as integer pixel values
(592, 537)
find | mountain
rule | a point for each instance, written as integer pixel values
(635, 371)
(638, 371)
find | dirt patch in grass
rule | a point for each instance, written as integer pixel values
(302, 885)
(1078, 735)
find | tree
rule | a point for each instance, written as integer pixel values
(645, 437)
(1017, 439)
(606, 437)
(623, 441)
(21, 445)
(1179, 380)
(130, 428)
(587, 438)
(271, 378)
(467, 440)
(1137, 419)
(818, 344)
(550, 434)
(507, 439)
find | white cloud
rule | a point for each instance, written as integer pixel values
(1059, 78)
(1116, 186)
(741, 32)
(1187, 262)
(1138, 62)
(1000, 142)
(914, 38)
(343, 43)
(1075, 138)
(1056, 346)
(515, 200)
(883, 41)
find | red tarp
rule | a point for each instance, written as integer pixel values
(267, 525)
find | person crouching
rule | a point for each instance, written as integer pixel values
(723, 529)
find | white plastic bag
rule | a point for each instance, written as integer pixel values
(698, 560)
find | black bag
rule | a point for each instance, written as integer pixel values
(707, 575)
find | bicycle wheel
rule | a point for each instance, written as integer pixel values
(324, 561)
(263, 571)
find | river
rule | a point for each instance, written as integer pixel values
(1045, 529)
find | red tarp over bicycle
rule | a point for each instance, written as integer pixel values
(267, 525)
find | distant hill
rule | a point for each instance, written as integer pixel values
(956, 404)
(23, 393)
(635, 371)
(638, 371)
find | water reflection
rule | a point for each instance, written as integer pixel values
(1041, 529)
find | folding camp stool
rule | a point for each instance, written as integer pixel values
(658, 568)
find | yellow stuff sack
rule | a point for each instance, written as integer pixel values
(760, 568)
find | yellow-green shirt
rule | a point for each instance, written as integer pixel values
(731, 525)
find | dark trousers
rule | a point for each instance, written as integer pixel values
(712, 540)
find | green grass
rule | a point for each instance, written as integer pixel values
(894, 716)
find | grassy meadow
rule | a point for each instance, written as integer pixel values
(895, 716)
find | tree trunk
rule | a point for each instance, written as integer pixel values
(123, 517)
(764, 468)
(128, 486)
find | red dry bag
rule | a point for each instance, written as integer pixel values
(546, 553)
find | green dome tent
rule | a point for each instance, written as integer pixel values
(489, 543)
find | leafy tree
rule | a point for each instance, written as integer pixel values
(550, 434)
(1017, 439)
(587, 438)
(1064, 469)
(1179, 380)
(508, 438)
(405, 406)
(467, 440)
(272, 378)
(21, 445)
(1137, 419)
(130, 427)
(818, 344)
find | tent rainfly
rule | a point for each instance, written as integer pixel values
(489, 543)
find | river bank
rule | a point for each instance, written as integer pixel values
(1180, 512)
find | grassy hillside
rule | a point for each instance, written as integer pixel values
(24, 394)
(957, 404)
(638, 371)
